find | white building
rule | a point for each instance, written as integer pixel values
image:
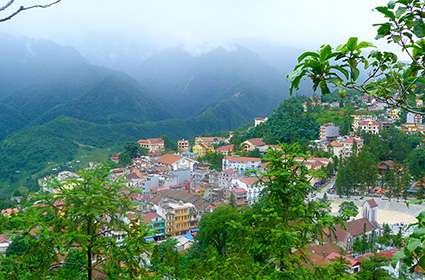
(413, 118)
(241, 164)
(250, 184)
(260, 120)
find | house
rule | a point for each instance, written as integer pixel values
(254, 144)
(241, 164)
(4, 243)
(313, 163)
(370, 126)
(357, 119)
(324, 254)
(153, 145)
(260, 120)
(156, 223)
(413, 118)
(183, 146)
(202, 149)
(251, 186)
(328, 131)
(184, 242)
(225, 150)
(343, 147)
(115, 158)
(176, 162)
(240, 196)
(412, 128)
(209, 140)
(179, 216)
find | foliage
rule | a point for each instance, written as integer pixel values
(371, 269)
(348, 209)
(131, 151)
(386, 77)
(85, 213)
(214, 160)
(165, 258)
(416, 162)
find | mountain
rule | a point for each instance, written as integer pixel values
(113, 100)
(27, 62)
(191, 83)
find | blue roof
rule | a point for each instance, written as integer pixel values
(149, 239)
(195, 229)
(188, 236)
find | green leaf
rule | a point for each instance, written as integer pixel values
(354, 73)
(325, 52)
(400, 11)
(351, 43)
(307, 54)
(383, 30)
(386, 12)
(413, 244)
(324, 87)
(419, 28)
(342, 70)
(364, 44)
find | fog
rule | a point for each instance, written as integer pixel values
(110, 30)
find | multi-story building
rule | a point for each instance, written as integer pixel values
(413, 118)
(153, 145)
(343, 147)
(225, 150)
(183, 146)
(356, 120)
(156, 223)
(209, 140)
(412, 128)
(369, 126)
(202, 149)
(328, 131)
(251, 187)
(241, 164)
(179, 217)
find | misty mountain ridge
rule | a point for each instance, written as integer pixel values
(52, 98)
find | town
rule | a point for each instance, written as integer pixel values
(176, 188)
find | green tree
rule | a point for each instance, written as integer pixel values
(348, 209)
(386, 77)
(372, 269)
(131, 151)
(89, 213)
(416, 162)
(165, 259)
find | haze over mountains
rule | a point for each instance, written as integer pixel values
(54, 102)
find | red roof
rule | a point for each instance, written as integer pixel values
(225, 149)
(249, 180)
(151, 141)
(168, 159)
(369, 122)
(256, 141)
(241, 159)
(148, 217)
(239, 190)
(359, 226)
(4, 238)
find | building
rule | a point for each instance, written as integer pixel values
(251, 186)
(328, 131)
(254, 144)
(4, 243)
(356, 120)
(240, 196)
(180, 217)
(175, 162)
(370, 210)
(153, 145)
(394, 113)
(156, 223)
(413, 118)
(183, 146)
(412, 128)
(225, 150)
(260, 120)
(241, 164)
(202, 149)
(343, 147)
(369, 126)
(209, 140)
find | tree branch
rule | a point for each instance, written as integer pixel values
(23, 8)
(7, 5)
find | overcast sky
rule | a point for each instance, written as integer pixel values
(147, 24)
